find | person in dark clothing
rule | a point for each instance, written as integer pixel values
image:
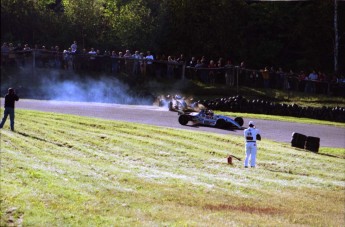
(10, 99)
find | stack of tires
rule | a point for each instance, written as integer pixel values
(312, 144)
(309, 143)
(298, 140)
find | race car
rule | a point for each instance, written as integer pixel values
(208, 118)
(177, 103)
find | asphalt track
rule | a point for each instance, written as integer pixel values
(279, 131)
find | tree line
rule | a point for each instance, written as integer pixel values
(293, 35)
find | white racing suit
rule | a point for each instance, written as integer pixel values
(251, 149)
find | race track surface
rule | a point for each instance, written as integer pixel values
(330, 136)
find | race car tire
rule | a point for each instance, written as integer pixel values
(239, 120)
(183, 119)
(312, 144)
(221, 123)
(298, 140)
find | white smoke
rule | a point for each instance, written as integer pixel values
(91, 90)
(68, 86)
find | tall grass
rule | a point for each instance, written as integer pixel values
(64, 170)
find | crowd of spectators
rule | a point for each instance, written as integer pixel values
(146, 65)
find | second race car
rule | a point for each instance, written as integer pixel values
(208, 118)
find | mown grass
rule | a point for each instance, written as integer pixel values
(284, 118)
(64, 170)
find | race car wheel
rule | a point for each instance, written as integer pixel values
(221, 123)
(183, 119)
(239, 120)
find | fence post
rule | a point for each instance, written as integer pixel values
(184, 70)
(237, 71)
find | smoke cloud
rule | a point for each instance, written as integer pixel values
(69, 86)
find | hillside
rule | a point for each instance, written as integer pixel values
(63, 170)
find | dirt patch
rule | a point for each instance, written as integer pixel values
(242, 208)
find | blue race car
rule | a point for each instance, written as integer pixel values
(208, 118)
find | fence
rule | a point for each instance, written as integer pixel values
(230, 75)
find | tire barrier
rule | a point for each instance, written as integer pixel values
(260, 106)
(309, 143)
(298, 140)
(312, 144)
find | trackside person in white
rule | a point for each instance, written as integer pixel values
(251, 134)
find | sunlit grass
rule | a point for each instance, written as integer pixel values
(64, 170)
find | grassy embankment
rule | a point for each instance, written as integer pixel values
(63, 170)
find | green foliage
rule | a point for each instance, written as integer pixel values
(287, 34)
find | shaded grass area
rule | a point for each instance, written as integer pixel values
(64, 170)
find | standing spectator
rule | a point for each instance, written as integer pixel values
(191, 73)
(181, 59)
(178, 70)
(192, 62)
(10, 99)
(301, 81)
(266, 77)
(322, 85)
(273, 78)
(242, 79)
(4, 53)
(220, 73)
(83, 59)
(121, 62)
(114, 62)
(149, 63)
(136, 63)
(310, 83)
(280, 78)
(158, 67)
(128, 62)
(170, 67)
(202, 70)
(44, 56)
(11, 55)
(212, 73)
(26, 54)
(57, 57)
(74, 47)
(99, 60)
(143, 64)
(65, 54)
(251, 134)
(292, 80)
(229, 74)
(92, 58)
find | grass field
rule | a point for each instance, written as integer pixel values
(64, 170)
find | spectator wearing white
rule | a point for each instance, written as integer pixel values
(251, 134)
(313, 75)
(136, 65)
(74, 47)
(149, 63)
(310, 83)
(92, 53)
